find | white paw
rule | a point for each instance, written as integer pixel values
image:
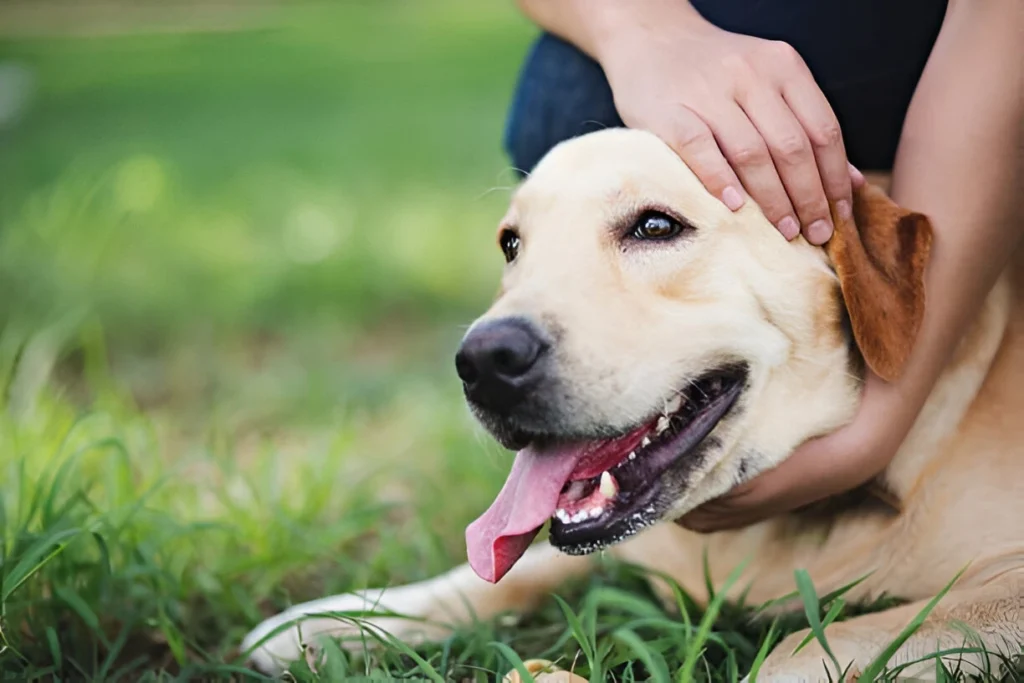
(309, 621)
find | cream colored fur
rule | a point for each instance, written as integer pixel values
(636, 322)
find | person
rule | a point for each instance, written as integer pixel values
(781, 103)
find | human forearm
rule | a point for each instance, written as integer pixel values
(960, 162)
(594, 26)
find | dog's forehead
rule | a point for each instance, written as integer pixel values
(603, 172)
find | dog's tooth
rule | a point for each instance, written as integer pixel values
(579, 516)
(663, 423)
(609, 487)
(632, 455)
(562, 515)
(674, 404)
(595, 513)
(646, 442)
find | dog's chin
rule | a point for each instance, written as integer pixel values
(651, 465)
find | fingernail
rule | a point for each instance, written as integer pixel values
(844, 209)
(819, 232)
(732, 198)
(855, 176)
(788, 227)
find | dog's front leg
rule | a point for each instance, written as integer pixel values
(435, 607)
(992, 614)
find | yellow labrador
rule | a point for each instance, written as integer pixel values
(650, 349)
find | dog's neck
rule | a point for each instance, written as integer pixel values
(836, 389)
(954, 392)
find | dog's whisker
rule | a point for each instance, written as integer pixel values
(491, 190)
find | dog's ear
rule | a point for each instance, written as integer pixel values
(880, 257)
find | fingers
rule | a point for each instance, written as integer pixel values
(856, 176)
(816, 117)
(698, 523)
(745, 149)
(694, 142)
(708, 521)
(773, 157)
(770, 131)
(731, 511)
(794, 159)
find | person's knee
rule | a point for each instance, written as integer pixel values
(561, 94)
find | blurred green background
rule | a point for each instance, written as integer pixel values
(239, 242)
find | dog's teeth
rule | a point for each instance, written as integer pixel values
(609, 487)
(673, 404)
(632, 455)
(580, 516)
(663, 423)
(595, 513)
(563, 516)
(646, 442)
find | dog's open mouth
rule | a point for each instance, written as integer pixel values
(597, 492)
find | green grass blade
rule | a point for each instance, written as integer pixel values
(54, 644)
(651, 659)
(812, 608)
(825, 599)
(514, 659)
(334, 662)
(696, 645)
(833, 612)
(577, 631)
(875, 668)
(41, 551)
(762, 652)
(423, 664)
(937, 657)
(79, 606)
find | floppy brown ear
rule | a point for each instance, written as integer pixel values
(880, 258)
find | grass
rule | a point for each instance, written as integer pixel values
(235, 265)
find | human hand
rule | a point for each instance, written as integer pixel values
(742, 112)
(822, 467)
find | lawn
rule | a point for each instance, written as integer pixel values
(237, 250)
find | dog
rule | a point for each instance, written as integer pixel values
(649, 350)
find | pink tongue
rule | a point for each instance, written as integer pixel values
(500, 536)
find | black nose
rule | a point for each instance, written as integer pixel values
(498, 362)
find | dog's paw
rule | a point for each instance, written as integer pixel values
(281, 640)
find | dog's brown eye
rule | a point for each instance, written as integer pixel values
(509, 242)
(656, 226)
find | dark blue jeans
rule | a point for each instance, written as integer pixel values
(866, 55)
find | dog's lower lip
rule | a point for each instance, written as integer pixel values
(638, 477)
(518, 440)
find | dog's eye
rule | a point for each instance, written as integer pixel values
(509, 242)
(656, 226)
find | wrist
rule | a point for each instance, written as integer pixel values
(618, 30)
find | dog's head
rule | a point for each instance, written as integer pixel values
(651, 349)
